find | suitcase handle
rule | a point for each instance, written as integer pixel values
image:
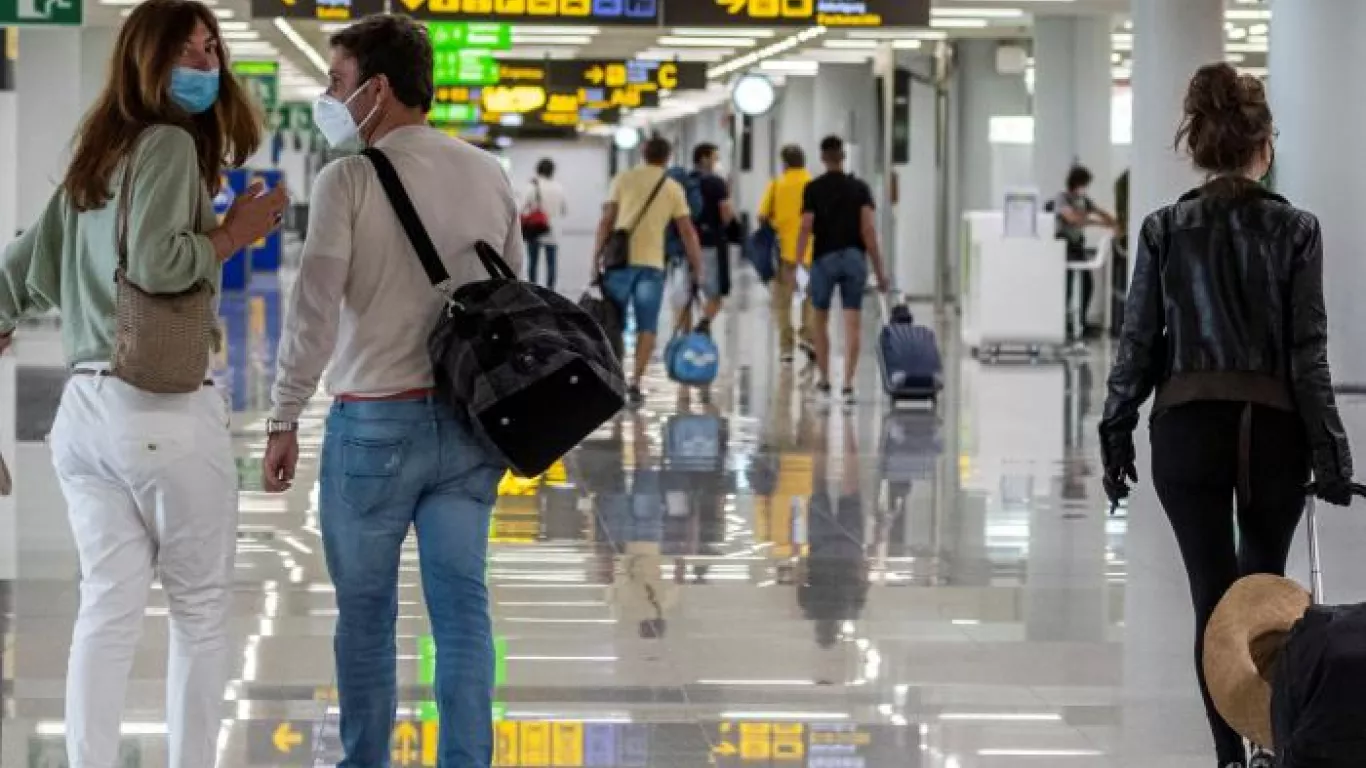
(1310, 512)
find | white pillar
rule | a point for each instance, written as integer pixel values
(1172, 39)
(1072, 95)
(795, 109)
(918, 210)
(59, 74)
(1319, 156)
(846, 106)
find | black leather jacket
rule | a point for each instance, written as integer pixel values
(1227, 289)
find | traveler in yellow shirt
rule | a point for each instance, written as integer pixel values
(782, 209)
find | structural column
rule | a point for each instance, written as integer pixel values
(58, 75)
(1072, 96)
(845, 104)
(1319, 155)
(1172, 39)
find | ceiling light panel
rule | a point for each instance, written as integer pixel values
(984, 13)
(723, 32)
(708, 42)
(521, 39)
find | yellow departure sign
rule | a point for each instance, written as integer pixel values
(830, 13)
(558, 11)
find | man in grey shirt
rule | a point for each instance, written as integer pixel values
(394, 456)
(1075, 211)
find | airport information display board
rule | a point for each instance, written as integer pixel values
(322, 10)
(798, 13)
(536, 11)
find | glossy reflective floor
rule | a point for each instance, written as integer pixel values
(734, 578)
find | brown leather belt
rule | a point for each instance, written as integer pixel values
(100, 373)
(409, 395)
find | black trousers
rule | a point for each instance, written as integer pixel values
(1198, 454)
(1076, 324)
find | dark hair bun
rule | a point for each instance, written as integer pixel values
(1227, 119)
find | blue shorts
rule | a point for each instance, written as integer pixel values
(642, 289)
(846, 270)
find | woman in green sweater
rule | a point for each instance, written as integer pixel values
(149, 479)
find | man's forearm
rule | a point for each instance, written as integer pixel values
(309, 336)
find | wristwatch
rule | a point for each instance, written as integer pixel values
(277, 427)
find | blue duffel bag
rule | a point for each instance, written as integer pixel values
(761, 250)
(691, 356)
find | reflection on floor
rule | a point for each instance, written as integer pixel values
(737, 578)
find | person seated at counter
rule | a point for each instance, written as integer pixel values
(1075, 211)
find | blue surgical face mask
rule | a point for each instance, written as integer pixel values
(195, 90)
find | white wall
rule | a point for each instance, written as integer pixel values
(917, 212)
(581, 167)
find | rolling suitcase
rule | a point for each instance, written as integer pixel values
(908, 355)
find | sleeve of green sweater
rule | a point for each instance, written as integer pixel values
(31, 267)
(167, 252)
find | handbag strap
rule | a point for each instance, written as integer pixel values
(126, 200)
(417, 233)
(648, 202)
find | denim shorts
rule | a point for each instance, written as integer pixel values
(845, 270)
(642, 289)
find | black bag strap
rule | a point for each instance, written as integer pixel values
(417, 233)
(648, 202)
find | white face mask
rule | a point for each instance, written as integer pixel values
(334, 119)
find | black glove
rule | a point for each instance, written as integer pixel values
(1335, 490)
(1118, 456)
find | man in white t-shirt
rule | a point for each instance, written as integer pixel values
(546, 196)
(394, 456)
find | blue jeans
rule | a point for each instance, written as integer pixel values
(845, 271)
(642, 289)
(533, 258)
(387, 466)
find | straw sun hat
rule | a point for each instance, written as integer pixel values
(1242, 644)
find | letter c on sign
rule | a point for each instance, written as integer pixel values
(668, 75)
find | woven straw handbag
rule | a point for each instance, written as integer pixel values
(162, 342)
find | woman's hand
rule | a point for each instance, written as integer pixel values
(253, 215)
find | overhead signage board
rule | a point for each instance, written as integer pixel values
(448, 35)
(798, 13)
(524, 99)
(640, 73)
(456, 67)
(53, 13)
(261, 79)
(645, 12)
(322, 10)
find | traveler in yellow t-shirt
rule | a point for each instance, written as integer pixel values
(782, 209)
(645, 201)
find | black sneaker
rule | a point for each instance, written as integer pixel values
(1262, 759)
(847, 396)
(634, 397)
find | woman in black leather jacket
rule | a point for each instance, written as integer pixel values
(1226, 321)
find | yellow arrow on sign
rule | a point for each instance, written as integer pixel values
(286, 738)
(413, 5)
(405, 746)
(594, 75)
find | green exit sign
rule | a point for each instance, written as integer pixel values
(42, 12)
(465, 68)
(447, 35)
(454, 113)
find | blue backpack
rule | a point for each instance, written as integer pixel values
(692, 187)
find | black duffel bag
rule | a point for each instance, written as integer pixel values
(533, 373)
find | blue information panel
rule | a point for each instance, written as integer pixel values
(265, 253)
(237, 270)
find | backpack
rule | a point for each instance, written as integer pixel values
(692, 188)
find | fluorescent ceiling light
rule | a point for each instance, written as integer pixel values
(309, 52)
(1039, 753)
(532, 52)
(552, 39)
(1248, 14)
(243, 34)
(224, 13)
(985, 13)
(866, 45)
(707, 42)
(900, 34)
(252, 48)
(907, 45)
(699, 54)
(233, 26)
(1002, 717)
(951, 23)
(723, 32)
(1245, 48)
(546, 29)
(791, 66)
(784, 715)
(1258, 29)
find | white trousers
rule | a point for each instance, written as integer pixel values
(151, 489)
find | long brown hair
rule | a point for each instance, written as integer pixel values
(137, 96)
